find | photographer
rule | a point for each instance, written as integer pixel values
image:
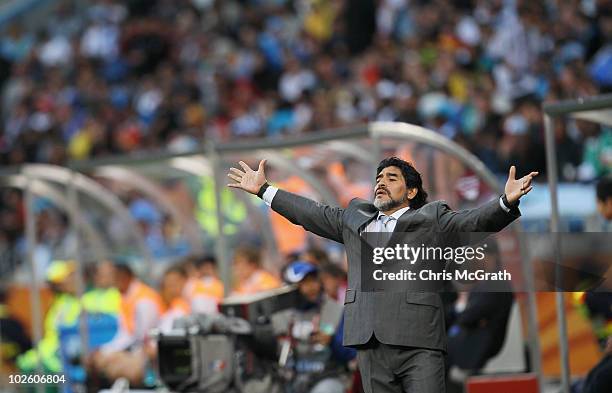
(313, 329)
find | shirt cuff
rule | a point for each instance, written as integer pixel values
(269, 194)
(501, 203)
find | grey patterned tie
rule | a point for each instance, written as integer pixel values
(386, 220)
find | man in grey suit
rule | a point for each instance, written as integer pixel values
(399, 336)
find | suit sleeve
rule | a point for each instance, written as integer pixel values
(323, 220)
(489, 217)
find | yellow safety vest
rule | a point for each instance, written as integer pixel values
(105, 301)
(234, 211)
(64, 310)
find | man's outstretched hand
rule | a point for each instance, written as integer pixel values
(516, 188)
(248, 179)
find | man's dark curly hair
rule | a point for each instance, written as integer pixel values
(411, 176)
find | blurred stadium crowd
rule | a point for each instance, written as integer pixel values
(113, 77)
(108, 77)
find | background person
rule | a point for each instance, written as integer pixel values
(172, 289)
(599, 379)
(64, 311)
(103, 297)
(249, 275)
(314, 327)
(141, 309)
(603, 221)
(333, 278)
(203, 289)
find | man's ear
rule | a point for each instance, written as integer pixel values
(412, 192)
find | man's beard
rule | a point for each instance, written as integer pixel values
(390, 204)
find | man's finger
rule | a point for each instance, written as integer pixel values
(262, 165)
(528, 189)
(534, 174)
(245, 166)
(237, 171)
(234, 177)
(234, 185)
(512, 173)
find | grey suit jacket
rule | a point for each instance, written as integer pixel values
(413, 319)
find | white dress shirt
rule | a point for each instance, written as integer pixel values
(384, 223)
(269, 194)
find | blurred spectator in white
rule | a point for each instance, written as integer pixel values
(55, 50)
(295, 80)
(100, 40)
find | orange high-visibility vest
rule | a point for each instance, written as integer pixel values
(203, 296)
(289, 237)
(178, 306)
(210, 287)
(259, 281)
(138, 292)
(213, 286)
(346, 188)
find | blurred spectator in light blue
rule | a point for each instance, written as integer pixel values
(16, 44)
(162, 235)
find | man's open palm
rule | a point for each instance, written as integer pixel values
(516, 188)
(248, 179)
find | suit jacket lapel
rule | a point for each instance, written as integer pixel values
(402, 222)
(366, 212)
(400, 227)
